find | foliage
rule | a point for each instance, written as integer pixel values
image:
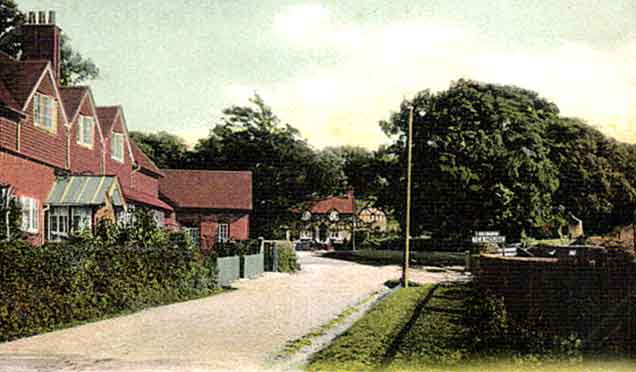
(165, 149)
(286, 170)
(237, 248)
(593, 175)
(287, 259)
(480, 160)
(84, 279)
(74, 68)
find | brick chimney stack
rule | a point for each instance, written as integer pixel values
(41, 40)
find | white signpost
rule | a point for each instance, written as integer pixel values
(488, 237)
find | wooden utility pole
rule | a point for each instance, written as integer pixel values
(407, 233)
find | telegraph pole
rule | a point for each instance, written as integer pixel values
(407, 233)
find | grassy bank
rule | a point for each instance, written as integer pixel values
(384, 257)
(426, 329)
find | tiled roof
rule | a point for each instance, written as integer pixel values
(341, 204)
(143, 198)
(19, 78)
(72, 97)
(6, 98)
(207, 189)
(143, 160)
(106, 117)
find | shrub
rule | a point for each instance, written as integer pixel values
(88, 278)
(287, 259)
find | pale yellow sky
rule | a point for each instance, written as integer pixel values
(335, 68)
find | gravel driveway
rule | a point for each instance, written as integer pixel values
(232, 331)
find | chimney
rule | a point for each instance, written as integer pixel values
(41, 40)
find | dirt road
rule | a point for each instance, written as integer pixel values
(233, 331)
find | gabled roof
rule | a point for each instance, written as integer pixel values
(20, 79)
(341, 204)
(143, 160)
(206, 189)
(146, 199)
(73, 97)
(107, 116)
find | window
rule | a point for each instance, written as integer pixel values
(333, 216)
(85, 130)
(58, 224)
(117, 147)
(159, 217)
(334, 234)
(29, 214)
(224, 232)
(45, 112)
(305, 234)
(306, 216)
(82, 219)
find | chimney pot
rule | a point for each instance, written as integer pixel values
(31, 18)
(52, 17)
(42, 17)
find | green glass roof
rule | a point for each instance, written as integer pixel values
(85, 190)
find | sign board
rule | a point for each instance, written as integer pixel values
(488, 237)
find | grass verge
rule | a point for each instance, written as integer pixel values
(364, 346)
(383, 257)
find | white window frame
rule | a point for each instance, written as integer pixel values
(30, 214)
(306, 234)
(224, 232)
(159, 217)
(85, 216)
(61, 217)
(334, 234)
(85, 131)
(334, 216)
(45, 112)
(117, 143)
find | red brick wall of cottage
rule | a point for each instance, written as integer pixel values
(8, 134)
(85, 159)
(209, 222)
(30, 179)
(38, 143)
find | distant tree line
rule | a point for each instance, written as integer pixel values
(486, 157)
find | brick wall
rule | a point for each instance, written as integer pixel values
(209, 222)
(30, 179)
(593, 301)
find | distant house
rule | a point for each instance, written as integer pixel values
(329, 220)
(373, 219)
(214, 205)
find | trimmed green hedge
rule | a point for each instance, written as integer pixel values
(396, 243)
(48, 287)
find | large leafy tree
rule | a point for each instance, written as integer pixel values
(74, 67)
(286, 170)
(165, 149)
(593, 171)
(480, 160)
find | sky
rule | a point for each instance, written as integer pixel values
(334, 69)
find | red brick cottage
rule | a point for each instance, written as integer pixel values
(68, 161)
(215, 205)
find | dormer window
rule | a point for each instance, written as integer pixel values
(45, 112)
(85, 131)
(333, 216)
(117, 147)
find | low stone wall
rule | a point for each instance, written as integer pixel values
(597, 303)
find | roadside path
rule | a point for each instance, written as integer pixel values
(233, 331)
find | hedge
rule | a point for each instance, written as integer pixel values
(287, 259)
(48, 287)
(395, 243)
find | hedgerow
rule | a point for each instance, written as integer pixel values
(86, 278)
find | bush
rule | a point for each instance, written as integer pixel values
(287, 259)
(418, 244)
(46, 287)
